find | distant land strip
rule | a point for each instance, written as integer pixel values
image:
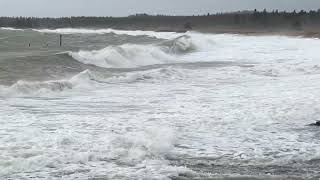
(242, 22)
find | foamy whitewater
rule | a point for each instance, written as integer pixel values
(116, 104)
(162, 35)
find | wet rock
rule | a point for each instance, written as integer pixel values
(315, 124)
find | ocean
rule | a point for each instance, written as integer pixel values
(113, 104)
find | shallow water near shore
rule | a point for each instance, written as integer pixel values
(145, 105)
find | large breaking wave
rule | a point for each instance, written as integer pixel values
(134, 55)
(124, 56)
(88, 79)
(170, 50)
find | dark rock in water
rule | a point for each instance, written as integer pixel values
(315, 124)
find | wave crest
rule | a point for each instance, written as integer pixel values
(124, 56)
(27, 87)
(180, 45)
(159, 74)
(160, 35)
(11, 29)
(133, 55)
(88, 79)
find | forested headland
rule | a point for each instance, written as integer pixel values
(238, 22)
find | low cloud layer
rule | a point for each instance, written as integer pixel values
(58, 8)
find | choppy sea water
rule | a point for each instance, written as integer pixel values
(144, 105)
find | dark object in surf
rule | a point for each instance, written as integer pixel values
(315, 124)
(60, 40)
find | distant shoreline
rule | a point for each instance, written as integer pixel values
(258, 32)
(220, 30)
(250, 32)
(304, 24)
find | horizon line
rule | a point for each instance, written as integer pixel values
(170, 15)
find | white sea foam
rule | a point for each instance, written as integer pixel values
(252, 110)
(153, 75)
(83, 79)
(161, 35)
(11, 29)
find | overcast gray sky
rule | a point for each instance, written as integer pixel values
(58, 8)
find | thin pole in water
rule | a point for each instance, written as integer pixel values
(60, 40)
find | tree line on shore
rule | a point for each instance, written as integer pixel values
(241, 19)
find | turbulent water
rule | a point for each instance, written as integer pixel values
(114, 104)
